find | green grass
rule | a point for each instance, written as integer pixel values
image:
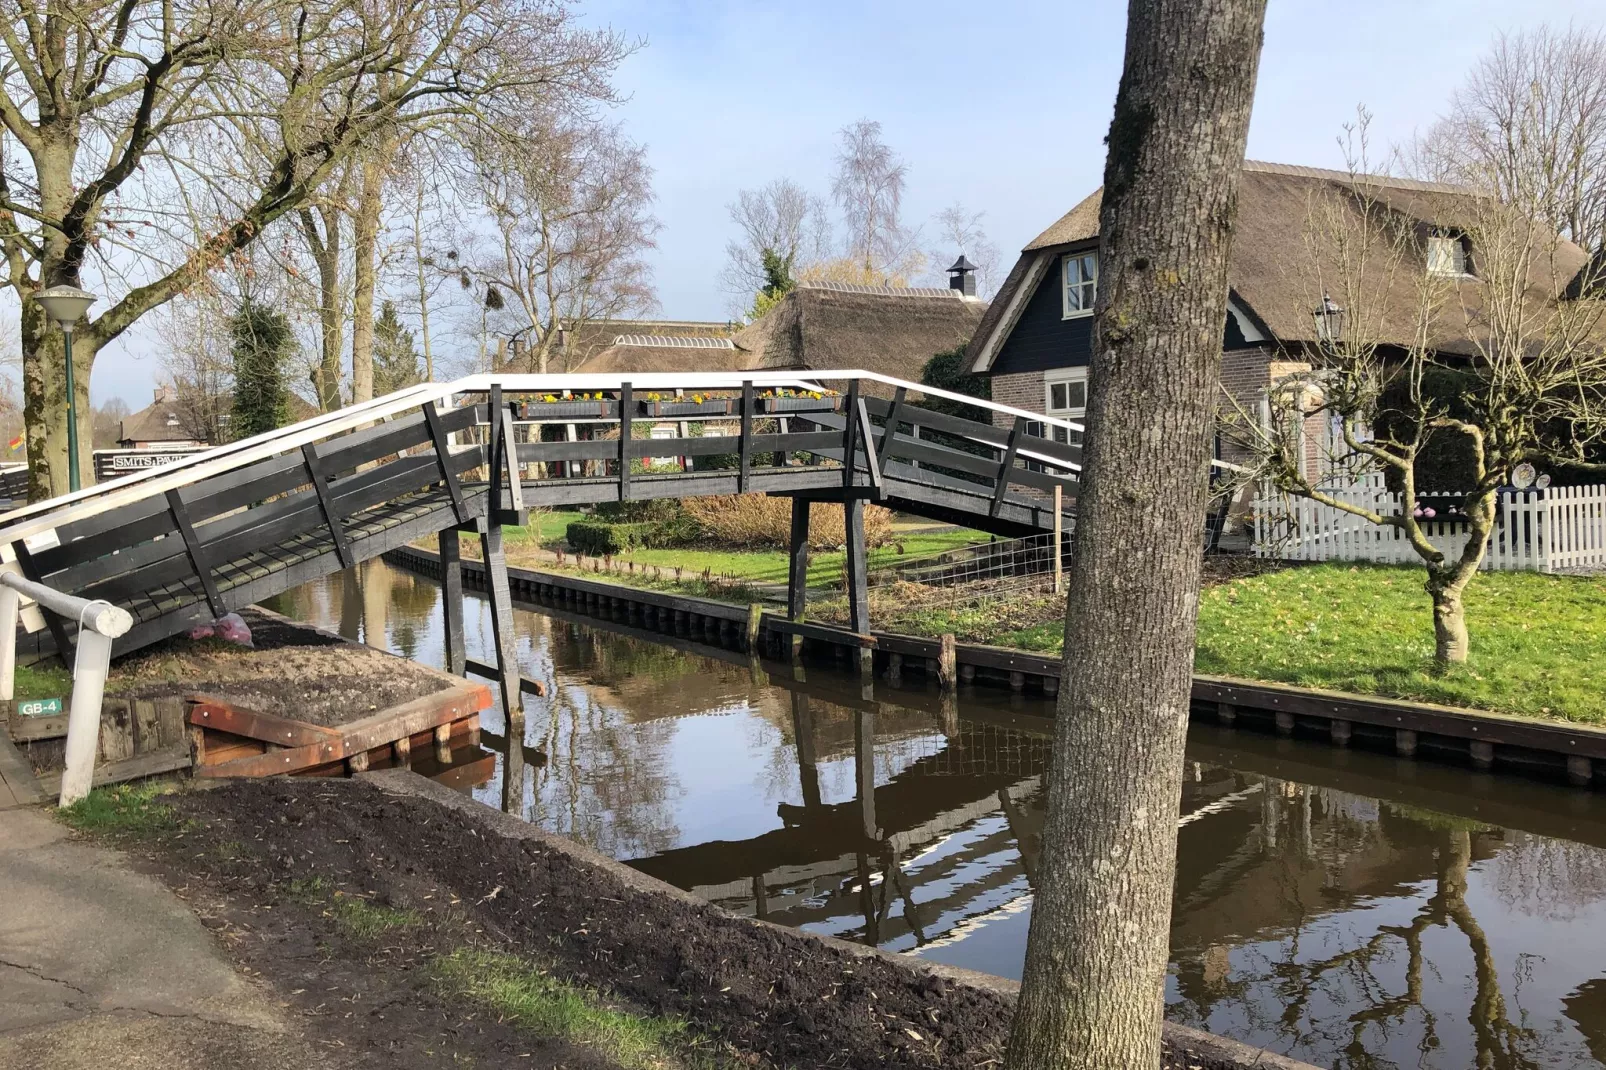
(540, 1003)
(45, 680)
(124, 812)
(356, 915)
(1538, 642)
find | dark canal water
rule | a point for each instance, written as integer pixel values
(1346, 908)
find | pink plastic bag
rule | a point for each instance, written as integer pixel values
(231, 627)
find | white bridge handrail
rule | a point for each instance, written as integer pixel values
(99, 622)
(45, 516)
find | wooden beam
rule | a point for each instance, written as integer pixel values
(858, 579)
(527, 684)
(871, 464)
(443, 459)
(888, 435)
(197, 555)
(797, 560)
(1006, 465)
(309, 457)
(627, 401)
(850, 427)
(223, 716)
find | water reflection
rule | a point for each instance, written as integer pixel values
(1349, 909)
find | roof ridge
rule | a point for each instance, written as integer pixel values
(1302, 171)
(887, 291)
(674, 341)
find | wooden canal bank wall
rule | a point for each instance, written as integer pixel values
(1481, 739)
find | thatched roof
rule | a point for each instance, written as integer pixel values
(1279, 275)
(158, 422)
(837, 326)
(634, 353)
(585, 339)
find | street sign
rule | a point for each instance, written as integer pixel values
(39, 707)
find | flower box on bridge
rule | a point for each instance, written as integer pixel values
(829, 403)
(572, 409)
(686, 407)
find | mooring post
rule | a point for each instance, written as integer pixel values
(797, 568)
(755, 624)
(947, 662)
(452, 602)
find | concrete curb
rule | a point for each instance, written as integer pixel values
(408, 783)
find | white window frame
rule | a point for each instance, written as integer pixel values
(1091, 285)
(1455, 246)
(1076, 414)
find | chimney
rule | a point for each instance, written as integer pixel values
(164, 393)
(962, 276)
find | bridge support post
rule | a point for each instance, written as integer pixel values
(797, 569)
(507, 669)
(452, 602)
(803, 736)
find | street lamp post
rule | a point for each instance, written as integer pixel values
(67, 305)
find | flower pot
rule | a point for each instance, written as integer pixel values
(583, 410)
(785, 405)
(715, 407)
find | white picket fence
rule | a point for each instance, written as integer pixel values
(1540, 530)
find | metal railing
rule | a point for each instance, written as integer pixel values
(99, 622)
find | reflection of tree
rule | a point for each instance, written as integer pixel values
(1548, 878)
(1357, 974)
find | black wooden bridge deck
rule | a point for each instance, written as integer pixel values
(183, 544)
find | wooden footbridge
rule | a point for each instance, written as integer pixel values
(189, 542)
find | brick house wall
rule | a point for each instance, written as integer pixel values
(1023, 390)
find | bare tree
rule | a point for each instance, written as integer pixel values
(197, 363)
(1486, 357)
(960, 231)
(114, 112)
(782, 219)
(1530, 125)
(1092, 989)
(868, 188)
(571, 203)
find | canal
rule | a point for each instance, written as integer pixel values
(1346, 908)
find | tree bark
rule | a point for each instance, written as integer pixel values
(1091, 994)
(1451, 643)
(364, 278)
(326, 255)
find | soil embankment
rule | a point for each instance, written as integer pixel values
(250, 851)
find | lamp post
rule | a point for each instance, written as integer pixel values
(1329, 317)
(67, 305)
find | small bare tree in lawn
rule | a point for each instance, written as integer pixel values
(1468, 333)
(1092, 991)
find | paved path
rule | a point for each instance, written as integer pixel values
(101, 966)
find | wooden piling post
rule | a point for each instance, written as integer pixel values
(947, 662)
(452, 601)
(755, 623)
(1482, 754)
(1580, 770)
(1285, 724)
(1017, 680)
(797, 569)
(858, 581)
(1059, 539)
(894, 669)
(1226, 713)
(402, 751)
(1405, 742)
(443, 743)
(357, 763)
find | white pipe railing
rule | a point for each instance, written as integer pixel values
(99, 622)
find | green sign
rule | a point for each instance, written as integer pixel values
(39, 707)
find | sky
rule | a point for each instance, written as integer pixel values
(1001, 105)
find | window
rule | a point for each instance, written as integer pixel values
(1447, 255)
(1081, 279)
(1065, 396)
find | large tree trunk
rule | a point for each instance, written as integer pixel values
(325, 248)
(1091, 994)
(365, 271)
(44, 408)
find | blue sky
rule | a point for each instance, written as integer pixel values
(1000, 105)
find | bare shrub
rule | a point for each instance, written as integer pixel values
(753, 521)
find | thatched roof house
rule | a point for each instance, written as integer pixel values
(816, 327)
(893, 330)
(634, 353)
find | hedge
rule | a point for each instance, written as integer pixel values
(602, 539)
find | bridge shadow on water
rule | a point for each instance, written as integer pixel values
(1344, 907)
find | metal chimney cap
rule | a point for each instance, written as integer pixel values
(961, 266)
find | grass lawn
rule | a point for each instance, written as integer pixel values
(1538, 642)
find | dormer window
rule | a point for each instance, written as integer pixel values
(1081, 281)
(1447, 255)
